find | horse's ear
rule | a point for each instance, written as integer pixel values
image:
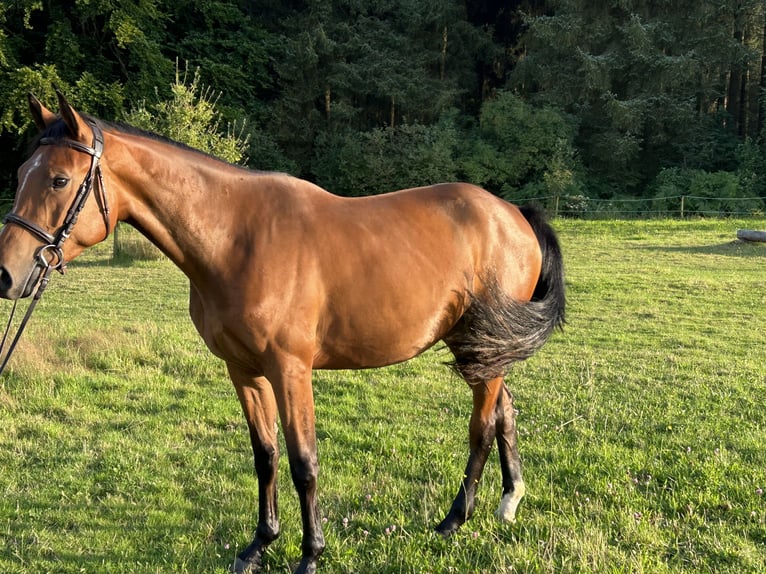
(74, 123)
(43, 116)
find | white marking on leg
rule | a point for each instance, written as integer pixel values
(510, 502)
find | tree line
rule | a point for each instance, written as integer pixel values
(566, 98)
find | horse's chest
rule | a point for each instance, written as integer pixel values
(227, 335)
(208, 327)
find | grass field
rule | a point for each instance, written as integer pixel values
(122, 446)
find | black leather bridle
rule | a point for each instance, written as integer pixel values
(51, 256)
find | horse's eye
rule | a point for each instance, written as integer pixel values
(59, 182)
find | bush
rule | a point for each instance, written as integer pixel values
(517, 147)
(385, 159)
(573, 205)
(751, 168)
(189, 117)
(702, 193)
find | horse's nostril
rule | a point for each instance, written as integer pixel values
(6, 281)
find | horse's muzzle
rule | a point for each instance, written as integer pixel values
(21, 286)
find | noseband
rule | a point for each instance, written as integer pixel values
(51, 256)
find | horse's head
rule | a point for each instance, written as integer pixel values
(54, 192)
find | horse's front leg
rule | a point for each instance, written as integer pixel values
(482, 432)
(295, 399)
(258, 404)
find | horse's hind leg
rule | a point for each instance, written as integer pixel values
(510, 462)
(257, 400)
(482, 432)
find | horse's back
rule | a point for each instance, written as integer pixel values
(467, 230)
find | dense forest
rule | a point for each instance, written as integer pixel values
(606, 99)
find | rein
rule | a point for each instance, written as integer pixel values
(52, 244)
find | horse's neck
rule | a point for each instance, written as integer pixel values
(181, 201)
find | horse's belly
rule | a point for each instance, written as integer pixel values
(377, 337)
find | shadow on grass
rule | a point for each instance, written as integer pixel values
(32, 540)
(736, 248)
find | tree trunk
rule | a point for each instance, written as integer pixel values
(762, 109)
(443, 71)
(750, 235)
(733, 95)
(734, 103)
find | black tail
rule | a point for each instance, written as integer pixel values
(550, 290)
(497, 331)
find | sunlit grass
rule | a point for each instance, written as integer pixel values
(641, 426)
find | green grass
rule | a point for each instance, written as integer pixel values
(123, 449)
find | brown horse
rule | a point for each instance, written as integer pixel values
(286, 278)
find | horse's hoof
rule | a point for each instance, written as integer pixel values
(447, 527)
(242, 567)
(307, 566)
